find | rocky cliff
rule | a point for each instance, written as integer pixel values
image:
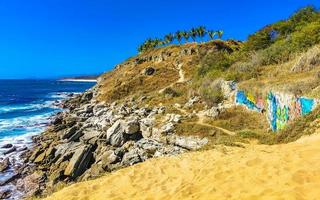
(116, 124)
(149, 106)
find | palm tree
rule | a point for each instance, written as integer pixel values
(212, 34)
(220, 33)
(194, 34)
(185, 35)
(168, 38)
(179, 36)
(201, 31)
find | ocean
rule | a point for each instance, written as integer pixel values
(25, 110)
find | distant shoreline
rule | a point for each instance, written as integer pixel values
(77, 80)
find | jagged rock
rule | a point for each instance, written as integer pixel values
(115, 134)
(175, 118)
(100, 112)
(146, 131)
(90, 135)
(228, 88)
(40, 157)
(170, 150)
(56, 175)
(99, 107)
(108, 157)
(87, 96)
(24, 148)
(6, 146)
(37, 151)
(131, 157)
(168, 128)
(50, 151)
(192, 101)
(64, 148)
(12, 149)
(4, 164)
(79, 161)
(212, 112)
(30, 184)
(5, 193)
(149, 145)
(94, 171)
(58, 120)
(75, 136)
(143, 112)
(161, 109)
(58, 128)
(190, 143)
(68, 133)
(124, 110)
(131, 125)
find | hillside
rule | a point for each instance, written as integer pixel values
(237, 103)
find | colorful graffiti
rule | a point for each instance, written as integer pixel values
(280, 108)
(250, 101)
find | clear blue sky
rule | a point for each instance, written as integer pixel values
(52, 38)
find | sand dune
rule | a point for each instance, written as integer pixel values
(288, 171)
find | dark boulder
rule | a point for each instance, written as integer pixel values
(6, 146)
(79, 162)
(149, 71)
(12, 149)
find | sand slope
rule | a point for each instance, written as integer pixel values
(288, 171)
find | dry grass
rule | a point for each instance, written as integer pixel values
(281, 78)
(239, 119)
(128, 78)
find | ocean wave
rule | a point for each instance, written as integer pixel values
(28, 107)
(62, 95)
(25, 122)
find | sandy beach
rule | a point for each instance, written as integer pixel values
(287, 171)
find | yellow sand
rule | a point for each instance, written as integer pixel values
(288, 171)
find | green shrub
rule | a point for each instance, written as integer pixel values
(307, 37)
(169, 92)
(278, 42)
(216, 61)
(260, 40)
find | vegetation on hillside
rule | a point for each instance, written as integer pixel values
(273, 44)
(179, 36)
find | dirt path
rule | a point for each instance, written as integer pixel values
(181, 74)
(180, 80)
(201, 121)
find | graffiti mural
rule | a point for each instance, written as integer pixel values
(280, 108)
(250, 101)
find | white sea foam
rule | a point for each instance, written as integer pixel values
(27, 107)
(24, 122)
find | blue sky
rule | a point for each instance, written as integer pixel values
(54, 38)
